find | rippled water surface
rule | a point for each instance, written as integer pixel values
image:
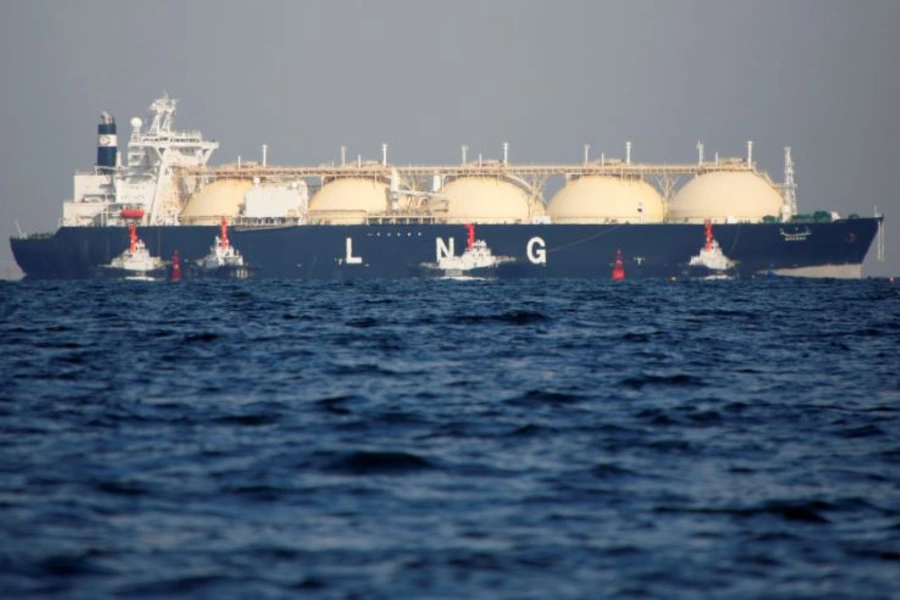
(440, 439)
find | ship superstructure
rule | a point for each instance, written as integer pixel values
(143, 189)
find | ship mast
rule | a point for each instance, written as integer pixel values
(152, 156)
(790, 187)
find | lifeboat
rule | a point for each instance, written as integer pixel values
(132, 213)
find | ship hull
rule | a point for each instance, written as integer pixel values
(825, 249)
(195, 271)
(156, 274)
(429, 272)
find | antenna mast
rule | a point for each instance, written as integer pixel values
(790, 186)
(879, 252)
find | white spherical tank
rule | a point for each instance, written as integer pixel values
(604, 199)
(348, 200)
(725, 196)
(223, 198)
(481, 200)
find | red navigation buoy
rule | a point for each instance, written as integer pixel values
(176, 266)
(618, 272)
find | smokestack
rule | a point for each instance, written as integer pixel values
(107, 143)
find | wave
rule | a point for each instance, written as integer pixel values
(378, 462)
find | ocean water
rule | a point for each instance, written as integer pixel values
(445, 439)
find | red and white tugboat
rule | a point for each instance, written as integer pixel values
(223, 260)
(477, 262)
(135, 263)
(711, 263)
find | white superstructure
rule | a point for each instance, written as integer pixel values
(711, 255)
(145, 186)
(712, 258)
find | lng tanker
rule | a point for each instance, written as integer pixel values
(608, 217)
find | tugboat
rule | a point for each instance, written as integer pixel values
(135, 263)
(477, 262)
(711, 262)
(223, 260)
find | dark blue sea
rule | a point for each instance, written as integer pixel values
(446, 439)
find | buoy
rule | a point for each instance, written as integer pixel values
(618, 272)
(176, 266)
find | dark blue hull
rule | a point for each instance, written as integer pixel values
(397, 251)
(195, 271)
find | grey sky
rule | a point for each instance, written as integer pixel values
(427, 77)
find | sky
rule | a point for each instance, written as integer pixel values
(427, 77)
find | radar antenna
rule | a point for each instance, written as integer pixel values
(163, 110)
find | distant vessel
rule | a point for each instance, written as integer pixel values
(369, 219)
(135, 262)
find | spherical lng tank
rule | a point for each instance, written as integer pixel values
(725, 196)
(604, 199)
(482, 200)
(348, 201)
(223, 198)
